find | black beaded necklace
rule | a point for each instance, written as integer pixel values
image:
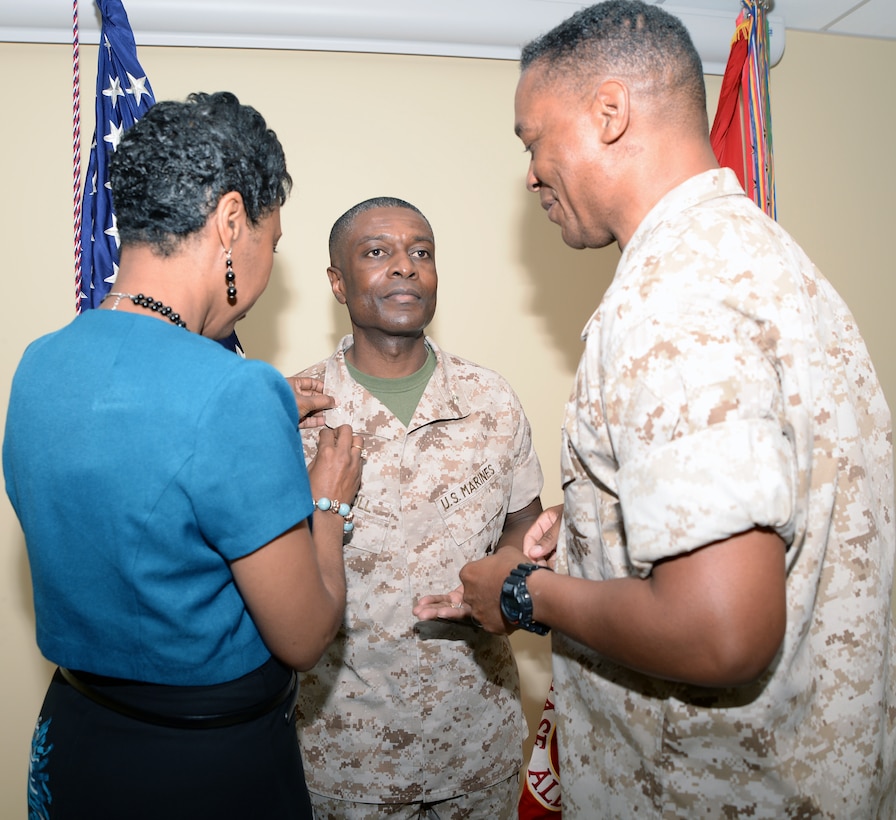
(150, 304)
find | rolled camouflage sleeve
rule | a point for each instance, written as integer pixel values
(528, 479)
(696, 417)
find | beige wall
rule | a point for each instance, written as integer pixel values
(436, 131)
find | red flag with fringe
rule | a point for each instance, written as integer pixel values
(741, 132)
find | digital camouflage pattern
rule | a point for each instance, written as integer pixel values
(724, 385)
(399, 710)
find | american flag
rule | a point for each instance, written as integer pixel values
(123, 95)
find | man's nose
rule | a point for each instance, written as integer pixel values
(404, 265)
(533, 183)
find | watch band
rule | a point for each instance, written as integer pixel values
(516, 602)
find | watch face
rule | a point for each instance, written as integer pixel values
(516, 605)
(509, 605)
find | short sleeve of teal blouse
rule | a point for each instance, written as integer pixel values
(247, 480)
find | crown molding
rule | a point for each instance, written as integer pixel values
(495, 29)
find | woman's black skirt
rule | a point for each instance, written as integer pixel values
(105, 748)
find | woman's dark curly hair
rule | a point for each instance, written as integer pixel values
(171, 168)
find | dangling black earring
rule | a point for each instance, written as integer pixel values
(230, 278)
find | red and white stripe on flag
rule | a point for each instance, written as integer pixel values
(540, 796)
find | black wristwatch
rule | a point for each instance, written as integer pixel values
(516, 603)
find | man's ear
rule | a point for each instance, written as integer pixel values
(230, 218)
(335, 277)
(611, 110)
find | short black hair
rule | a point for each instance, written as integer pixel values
(343, 225)
(622, 37)
(173, 165)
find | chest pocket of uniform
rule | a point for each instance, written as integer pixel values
(373, 523)
(480, 515)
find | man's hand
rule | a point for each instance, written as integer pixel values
(482, 581)
(449, 606)
(311, 401)
(540, 542)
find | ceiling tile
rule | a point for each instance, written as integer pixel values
(876, 18)
(869, 18)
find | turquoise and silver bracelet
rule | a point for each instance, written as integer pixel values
(337, 508)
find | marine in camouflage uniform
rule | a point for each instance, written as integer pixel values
(724, 385)
(724, 645)
(403, 711)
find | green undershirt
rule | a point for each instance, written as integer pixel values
(400, 395)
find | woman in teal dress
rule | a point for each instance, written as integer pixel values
(177, 582)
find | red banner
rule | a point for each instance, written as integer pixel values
(741, 133)
(540, 799)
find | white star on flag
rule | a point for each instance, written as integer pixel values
(137, 87)
(113, 231)
(114, 91)
(114, 135)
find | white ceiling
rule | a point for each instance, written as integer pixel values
(462, 28)
(860, 18)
